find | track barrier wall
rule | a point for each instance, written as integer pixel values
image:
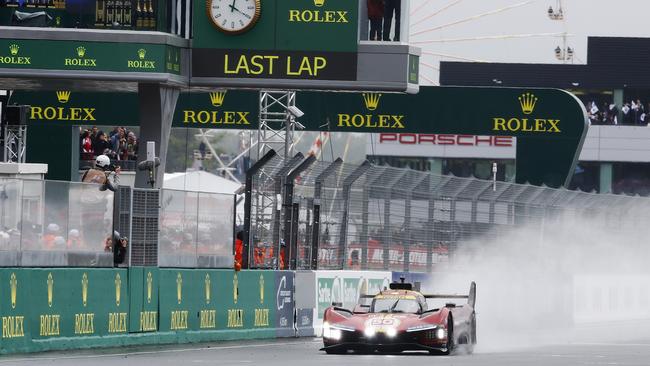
(55, 308)
(327, 287)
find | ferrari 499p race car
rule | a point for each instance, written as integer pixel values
(399, 319)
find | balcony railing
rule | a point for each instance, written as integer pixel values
(139, 15)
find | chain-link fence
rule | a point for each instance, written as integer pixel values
(330, 215)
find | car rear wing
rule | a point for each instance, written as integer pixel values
(471, 296)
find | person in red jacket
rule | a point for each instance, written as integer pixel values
(375, 16)
(239, 250)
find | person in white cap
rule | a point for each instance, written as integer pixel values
(103, 173)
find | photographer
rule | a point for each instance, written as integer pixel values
(118, 245)
(103, 173)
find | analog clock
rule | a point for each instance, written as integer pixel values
(233, 16)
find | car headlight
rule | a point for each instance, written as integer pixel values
(441, 333)
(418, 328)
(391, 332)
(370, 331)
(334, 331)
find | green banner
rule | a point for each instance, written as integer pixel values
(550, 125)
(289, 25)
(89, 56)
(67, 308)
(231, 109)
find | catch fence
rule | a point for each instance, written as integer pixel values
(308, 214)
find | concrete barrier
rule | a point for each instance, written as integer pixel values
(66, 308)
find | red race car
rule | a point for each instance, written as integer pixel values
(399, 319)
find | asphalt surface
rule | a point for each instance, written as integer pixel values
(305, 351)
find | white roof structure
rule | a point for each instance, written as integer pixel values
(199, 181)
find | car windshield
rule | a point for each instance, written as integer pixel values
(395, 305)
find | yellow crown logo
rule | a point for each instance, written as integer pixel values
(527, 102)
(207, 288)
(13, 284)
(235, 288)
(50, 289)
(217, 98)
(371, 100)
(84, 289)
(63, 96)
(142, 53)
(319, 3)
(14, 49)
(149, 287)
(261, 289)
(179, 288)
(81, 51)
(118, 289)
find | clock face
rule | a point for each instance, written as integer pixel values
(233, 16)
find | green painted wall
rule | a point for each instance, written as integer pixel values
(47, 309)
(89, 56)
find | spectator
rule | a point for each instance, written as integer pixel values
(116, 137)
(86, 144)
(52, 233)
(131, 147)
(93, 134)
(74, 239)
(239, 250)
(101, 144)
(118, 246)
(392, 7)
(375, 16)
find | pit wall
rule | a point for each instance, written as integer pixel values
(316, 290)
(62, 308)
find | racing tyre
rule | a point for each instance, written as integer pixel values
(451, 344)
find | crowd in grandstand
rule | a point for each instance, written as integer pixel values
(633, 112)
(119, 144)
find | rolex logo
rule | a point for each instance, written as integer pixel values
(142, 53)
(149, 287)
(14, 49)
(216, 98)
(63, 96)
(319, 3)
(371, 100)
(207, 288)
(118, 289)
(527, 101)
(50, 289)
(84, 289)
(235, 288)
(13, 285)
(261, 289)
(81, 51)
(179, 288)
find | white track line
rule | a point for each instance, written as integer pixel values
(36, 359)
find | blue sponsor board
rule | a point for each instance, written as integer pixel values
(284, 303)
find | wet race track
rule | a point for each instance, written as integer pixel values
(305, 351)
